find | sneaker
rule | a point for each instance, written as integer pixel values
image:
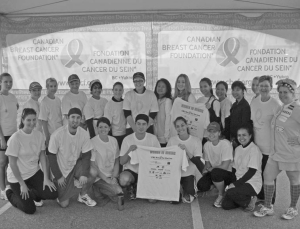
(187, 198)
(218, 201)
(290, 213)
(251, 205)
(3, 195)
(263, 211)
(121, 202)
(132, 193)
(87, 200)
(39, 204)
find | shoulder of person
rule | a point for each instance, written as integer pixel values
(60, 131)
(225, 142)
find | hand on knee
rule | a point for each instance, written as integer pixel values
(124, 180)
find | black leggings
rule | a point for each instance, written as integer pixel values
(36, 193)
(188, 185)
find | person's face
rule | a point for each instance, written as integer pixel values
(221, 91)
(254, 86)
(213, 135)
(6, 83)
(264, 87)
(285, 95)
(141, 126)
(74, 120)
(180, 84)
(35, 93)
(139, 83)
(118, 91)
(243, 136)
(237, 93)
(29, 122)
(96, 91)
(74, 85)
(52, 87)
(103, 128)
(161, 88)
(181, 127)
(204, 88)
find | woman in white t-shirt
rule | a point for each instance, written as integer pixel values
(243, 191)
(225, 103)
(105, 162)
(28, 185)
(8, 123)
(94, 108)
(183, 89)
(217, 168)
(114, 112)
(255, 87)
(162, 122)
(193, 148)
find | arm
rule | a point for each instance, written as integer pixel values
(206, 167)
(247, 176)
(90, 126)
(129, 118)
(3, 143)
(168, 108)
(54, 166)
(116, 168)
(199, 164)
(47, 182)
(125, 158)
(152, 116)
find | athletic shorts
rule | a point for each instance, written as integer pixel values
(6, 139)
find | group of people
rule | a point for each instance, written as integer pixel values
(68, 147)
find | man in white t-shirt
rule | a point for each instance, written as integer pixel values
(128, 178)
(69, 155)
(73, 98)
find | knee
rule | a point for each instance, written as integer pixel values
(30, 211)
(225, 205)
(124, 180)
(64, 204)
(203, 186)
(230, 193)
(217, 175)
(3, 161)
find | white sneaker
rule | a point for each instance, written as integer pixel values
(87, 200)
(39, 204)
(290, 213)
(218, 201)
(187, 199)
(263, 211)
(3, 195)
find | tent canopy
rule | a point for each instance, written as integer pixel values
(14, 8)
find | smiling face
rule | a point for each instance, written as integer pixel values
(181, 127)
(213, 135)
(205, 88)
(6, 83)
(29, 122)
(96, 90)
(264, 88)
(237, 93)
(221, 91)
(74, 86)
(141, 126)
(118, 91)
(180, 84)
(74, 120)
(285, 95)
(139, 83)
(255, 87)
(243, 136)
(35, 93)
(161, 89)
(51, 88)
(103, 128)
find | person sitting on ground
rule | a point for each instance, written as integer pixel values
(28, 185)
(69, 156)
(217, 168)
(129, 177)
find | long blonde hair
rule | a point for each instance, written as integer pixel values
(186, 92)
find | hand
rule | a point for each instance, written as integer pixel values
(62, 182)
(111, 180)
(293, 141)
(231, 186)
(50, 185)
(182, 146)
(3, 144)
(204, 171)
(24, 192)
(83, 180)
(132, 148)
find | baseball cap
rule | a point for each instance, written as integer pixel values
(74, 110)
(214, 126)
(138, 75)
(93, 82)
(73, 77)
(35, 85)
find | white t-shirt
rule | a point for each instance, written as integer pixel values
(27, 148)
(71, 100)
(225, 105)
(140, 103)
(219, 153)
(51, 112)
(261, 115)
(104, 154)
(196, 114)
(114, 112)
(159, 172)
(68, 147)
(31, 103)
(245, 158)
(149, 140)
(194, 146)
(8, 114)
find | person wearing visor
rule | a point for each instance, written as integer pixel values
(139, 101)
(94, 108)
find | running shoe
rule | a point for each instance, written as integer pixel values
(120, 201)
(87, 200)
(263, 211)
(3, 195)
(187, 198)
(39, 204)
(251, 205)
(218, 201)
(132, 193)
(290, 213)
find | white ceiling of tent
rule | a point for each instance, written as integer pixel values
(46, 7)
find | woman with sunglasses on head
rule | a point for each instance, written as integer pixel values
(28, 185)
(285, 154)
(183, 89)
(225, 103)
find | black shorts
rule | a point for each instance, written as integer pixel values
(6, 139)
(134, 174)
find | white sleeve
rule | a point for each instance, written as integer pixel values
(127, 102)
(13, 147)
(53, 144)
(168, 108)
(88, 111)
(227, 151)
(255, 159)
(43, 112)
(192, 99)
(87, 144)
(154, 103)
(205, 149)
(124, 146)
(65, 105)
(107, 112)
(197, 149)
(134, 158)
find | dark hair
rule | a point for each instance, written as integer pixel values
(4, 74)
(180, 118)
(104, 120)
(223, 83)
(118, 83)
(142, 117)
(249, 129)
(208, 81)
(168, 86)
(25, 113)
(266, 78)
(238, 84)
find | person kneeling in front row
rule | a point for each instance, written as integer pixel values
(69, 156)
